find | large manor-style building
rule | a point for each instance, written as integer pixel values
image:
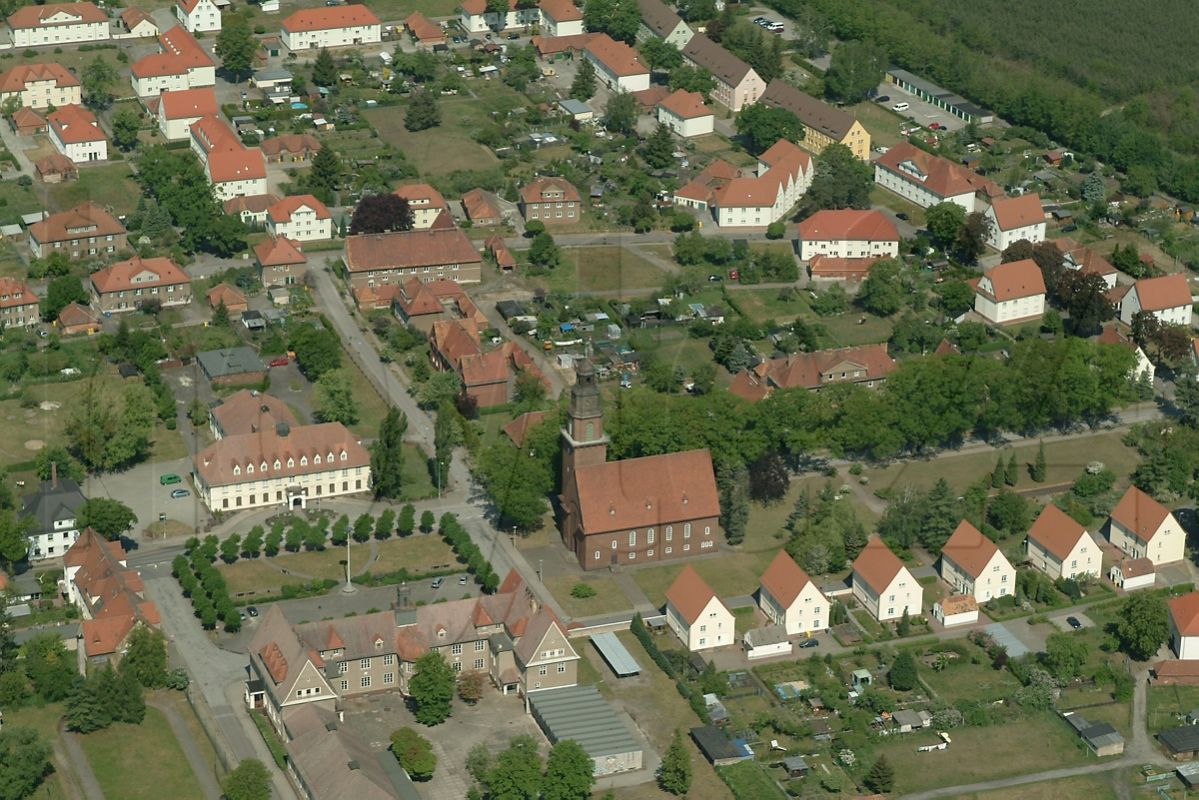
(654, 508)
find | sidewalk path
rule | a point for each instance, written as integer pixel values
(80, 767)
(187, 743)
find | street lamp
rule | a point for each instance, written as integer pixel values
(514, 537)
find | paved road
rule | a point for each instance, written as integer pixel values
(218, 674)
(13, 143)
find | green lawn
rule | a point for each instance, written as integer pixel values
(135, 762)
(608, 597)
(962, 680)
(11, 265)
(448, 147)
(111, 185)
(1033, 744)
(1169, 705)
(882, 197)
(44, 720)
(606, 269)
(15, 200)
(1065, 460)
(750, 779)
(421, 552)
(679, 350)
(882, 123)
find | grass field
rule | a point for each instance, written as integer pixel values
(420, 552)
(750, 779)
(608, 597)
(1065, 459)
(44, 720)
(1082, 787)
(11, 265)
(111, 185)
(448, 147)
(1034, 744)
(16, 200)
(882, 123)
(135, 762)
(602, 269)
(881, 197)
(963, 680)
(676, 348)
(1167, 706)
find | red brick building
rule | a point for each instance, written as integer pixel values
(655, 508)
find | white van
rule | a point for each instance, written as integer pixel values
(901, 106)
(385, 57)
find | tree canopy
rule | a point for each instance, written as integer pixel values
(380, 213)
(431, 689)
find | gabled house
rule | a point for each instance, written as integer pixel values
(1144, 528)
(1061, 548)
(475, 16)
(179, 109)
(926, 179)
(737, 84)
(617, 66)
(883, 585)
(328, 760)
(554, 201)
(661, 20)
(560, 18)
(696, 615)
(232, 298)
(686, 114)
(291, 147)
(1142, 368)
(331, 26)
(198, 15)
(1168, 298)
(281, 262)
(783, 176)
(488, 376)
(789, 598)
(822, 124)
(18, 304)
(866, 364)
(76, 318)
(1080, 258)
(424, 32)
(973, 565)
(300, 218)
(53, 510)
(85, 230)
(111, 597)
(1132, 573)
(28, 122)
(848, 233)
(180, 63)
(75, 132)
(57, 24)
(41, 86)
(128, 285)
(137, 24)
(1014, 219)
(1184, 625)
(1010, 294)
(233, 169)
(482, 208)
(425, 203)
(379, 259)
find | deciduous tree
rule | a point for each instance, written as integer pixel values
(620, 114)
(126, 124)
(856, 68)
(236, 46)
(674, 774)
(335, 400)
(24, 760)
(146, 658)
(761, 126)
(1143, 626)
(839, 180)
(517, 771)
(431, 689)
(569, 772)
(97, 79)
(415, 754)
(380, 213)
(109, 518)
(423, 112)
(249, 780)
(387, 455)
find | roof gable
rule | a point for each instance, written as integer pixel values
(876, 565)
(969, 549)
(1056, 532)
(690, 594)
(784, 579)
(1139, 514)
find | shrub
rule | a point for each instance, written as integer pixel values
(582, 591)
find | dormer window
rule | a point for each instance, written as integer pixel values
(344, 456)
(441, 634)
(249, 469)
(303, 461)
(237, 470)
(277, 464)
(317, 459)
(263, 467)
(291, 462)
(378, 644)
(330, 455)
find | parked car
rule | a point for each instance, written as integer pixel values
(169, 478)
(462, 580)
(281, 361)
(714, 279)
(252, 610)
(901, 106)
(437, 583)
(776, 27)
(1073, 622)
(903, 216)
(886, 98)
(513, 36)
(934, 126)
(180, 493)
(806, 643)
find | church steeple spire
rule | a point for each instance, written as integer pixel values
(583, 439)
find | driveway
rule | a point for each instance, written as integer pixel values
(1060, 622)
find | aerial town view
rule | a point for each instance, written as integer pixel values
(598, 400)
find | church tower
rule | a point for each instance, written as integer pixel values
(583, 439)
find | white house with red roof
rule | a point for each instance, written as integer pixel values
(233, 169)
(1144, 528)
(784, 174)
(1184, 625)
(926, 179)
(1060, 547)
(696, 615)
(180, 63)
(1013, 219)
(18, 304)
(555, 17)
(1168, 298)
(331, 26)
(848, 233)
(41, 86)
(686, 114)
(198, 15)
(75, 132)
(425, 203)
(301, 218)
(617, 65)
(560, 18)
(973, 565)
(788, 597)
(58, 23)
(137, 24)
(1011, 293)
(179, 109)
(883, 585)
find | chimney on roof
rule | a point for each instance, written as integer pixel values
(53, 474)
(282, 428)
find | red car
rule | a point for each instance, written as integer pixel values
(936, 126)
(734, 275)
(281, 361)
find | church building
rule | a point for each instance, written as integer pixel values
(650, 509)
